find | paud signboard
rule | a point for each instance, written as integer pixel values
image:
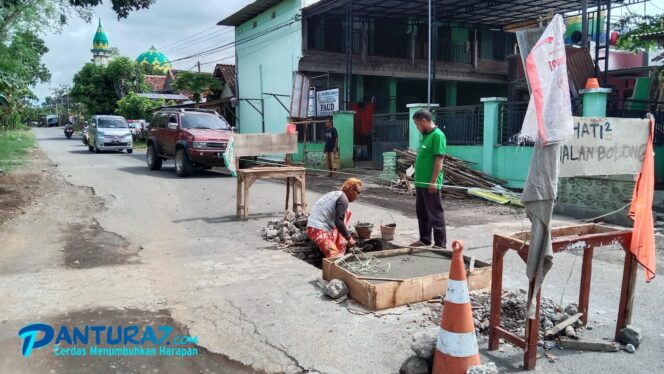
(604, 146)
(327, 102)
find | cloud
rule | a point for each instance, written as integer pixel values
(166, 22)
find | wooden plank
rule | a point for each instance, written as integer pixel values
(588, 345)
(562, 325)
(264, 144)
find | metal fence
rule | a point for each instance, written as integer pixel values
(390, 127)
(629, 108)
(390, 131)
(462, 125)
(510, 120)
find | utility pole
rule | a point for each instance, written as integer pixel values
(429, 60)
(199, 66)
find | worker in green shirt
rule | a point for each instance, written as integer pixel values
(428, 182)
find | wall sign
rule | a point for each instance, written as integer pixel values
(327, 102)
(311, 111)
(604, 146)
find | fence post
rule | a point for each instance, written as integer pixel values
(491, 123)
(594, 101)
(414, 136)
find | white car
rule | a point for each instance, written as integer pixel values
(109, 133)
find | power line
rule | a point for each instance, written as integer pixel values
(194, 43)
(238, 42)
(185, 38)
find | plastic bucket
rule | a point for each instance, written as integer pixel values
(363, 231)
(387, 231)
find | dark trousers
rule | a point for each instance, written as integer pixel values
(430, 216)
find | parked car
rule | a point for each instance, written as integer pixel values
(137, 128)
(109, 133)
(195, 138)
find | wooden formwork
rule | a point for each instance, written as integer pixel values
(378, 292)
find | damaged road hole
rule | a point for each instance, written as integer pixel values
(88, 246)
(43, 360)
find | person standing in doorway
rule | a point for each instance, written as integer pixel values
(428, 182)
(331, 148)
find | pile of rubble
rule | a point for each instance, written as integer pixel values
(514, 312)
(289, 231)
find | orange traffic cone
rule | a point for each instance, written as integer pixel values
(591, 83)
(456, 348)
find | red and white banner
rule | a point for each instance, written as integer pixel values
(549, 116)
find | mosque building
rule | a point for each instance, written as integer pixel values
(154, 61)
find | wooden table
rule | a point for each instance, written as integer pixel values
(295, 180)
(582, 237)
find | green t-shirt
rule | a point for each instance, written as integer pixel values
(433, 144)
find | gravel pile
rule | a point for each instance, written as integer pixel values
(291, 230)
(513, 313)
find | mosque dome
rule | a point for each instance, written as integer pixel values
(157, 60)
(100, 41)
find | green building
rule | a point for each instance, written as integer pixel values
(154, 62)
(387, 62)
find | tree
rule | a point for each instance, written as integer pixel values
(94, 89)
(196, 83)
(632, 28)
(126, 75)
(40, 15)
(133, 106)
(20, 69)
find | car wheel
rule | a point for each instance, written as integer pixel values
(97, 149)
(130, 150)
(90, 148)
(183, 167)
(154, 161)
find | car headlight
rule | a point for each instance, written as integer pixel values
(199, 145)
(128, 134)
(100, 134)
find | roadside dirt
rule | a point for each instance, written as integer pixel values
(22, 187)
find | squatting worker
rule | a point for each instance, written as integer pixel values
(428, 182)
(328, 221)
(331, 148)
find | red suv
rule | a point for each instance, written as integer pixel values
(195, 138)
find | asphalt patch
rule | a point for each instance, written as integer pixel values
(89, 246)
(45, 361)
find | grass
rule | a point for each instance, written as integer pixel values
(140, 145)
(14, 146)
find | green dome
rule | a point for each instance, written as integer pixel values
(154, 58)
(100, 41)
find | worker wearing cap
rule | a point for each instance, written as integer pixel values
(328, 221)
(428, 182)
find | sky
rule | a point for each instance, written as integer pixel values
(164, 25)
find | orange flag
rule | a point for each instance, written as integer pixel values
(643, 236)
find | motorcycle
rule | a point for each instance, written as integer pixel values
(69, 131)
(84, 132)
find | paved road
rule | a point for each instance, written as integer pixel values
(117, 242)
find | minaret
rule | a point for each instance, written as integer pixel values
(100, 50)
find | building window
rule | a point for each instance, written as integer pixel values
(274, 14)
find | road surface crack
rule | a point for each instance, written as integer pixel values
(264, 340)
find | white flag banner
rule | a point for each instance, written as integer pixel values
(549, 116)
(229, 156)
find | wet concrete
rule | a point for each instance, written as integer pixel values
(45, 361)
(88, 246)
(406, 266)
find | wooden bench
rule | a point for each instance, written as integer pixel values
(249, 145)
